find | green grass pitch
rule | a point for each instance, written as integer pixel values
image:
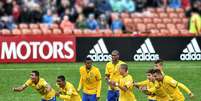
(13, 75)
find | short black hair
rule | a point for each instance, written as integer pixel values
(36, 73)
(157, 71)
(88, 59)
(124, 66)
(61, 77)
(151, 71)
(158, 61)
(116, 51)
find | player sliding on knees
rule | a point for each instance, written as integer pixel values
(171, 86)
(66, 92)
(40, 85)
(125, 84)
(151, 88)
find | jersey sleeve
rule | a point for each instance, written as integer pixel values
(28, 82)
(182, 86)
(142, 83)
(44, 83)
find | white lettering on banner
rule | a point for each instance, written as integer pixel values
(54, 49)
(192, 51)
(69, 50)
(6, 51)
(28, 50)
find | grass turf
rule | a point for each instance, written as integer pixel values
(13, 75)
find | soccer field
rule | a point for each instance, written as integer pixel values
(13, 75)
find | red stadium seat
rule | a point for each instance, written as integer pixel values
(151, 26)
(137, 20)
(163, 15)
(157, 20)
(5, 32)
(16, 32)
(26, 31)
(152, 10)
(46, 31)
(167, 20)
(107, 31)
(33, 26)
(127, 21)
(141, 27)
(147, 20)
(171, 26)
(36, 31)
(160, 10)
(179, 10)
(88, 31)
(181, 26)
(56, 31)
(23, 26)
(43, 26)
(77, 31)
(161, 26)
(164, 32)
(67, 31)
(169, 10)
(173, 15)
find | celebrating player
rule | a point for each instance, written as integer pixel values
(171, 86)
(112, 73)
(40, 85)
(90, 81)
(67, 92)
(152, 88)
(125, 84)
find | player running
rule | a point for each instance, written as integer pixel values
(125, 84)
(171, 86)
(112, 73)
(90, 81)
(40, 85)
(66, 92)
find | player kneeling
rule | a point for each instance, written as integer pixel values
(67, 92)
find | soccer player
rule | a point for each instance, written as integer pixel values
(40, 85)
(152, 88)
(125, 84)
(159, 65)
(148, 84)
(171, 86)
(67, 92)
(90, 81)
(112, 73)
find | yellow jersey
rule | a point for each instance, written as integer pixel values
(40, 87)
(90, 80)
(69, 93)
(113, 71)
(195, 24)
(171, 86)
(127, 81)
(149, 86)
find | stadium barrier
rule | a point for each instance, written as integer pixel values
(64, 48)
(37, 48)
(140, 48)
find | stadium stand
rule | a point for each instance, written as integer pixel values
(73, 17)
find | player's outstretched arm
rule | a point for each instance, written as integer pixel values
(182, 86)
(19, 89)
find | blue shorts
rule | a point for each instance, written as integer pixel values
(53, 99)
(112, 95)
(87, 97)
(152, 100)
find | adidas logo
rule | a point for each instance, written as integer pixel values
(146, 52)
(192, 52)
(99, 52)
